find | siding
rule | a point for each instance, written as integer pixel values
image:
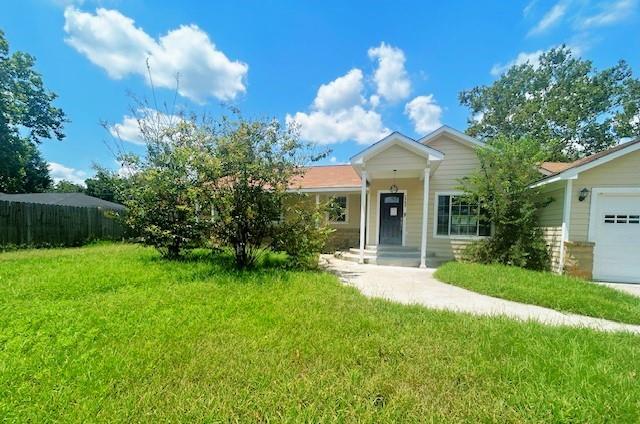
(550, 220)
(621, 172)
(459, 161)
(396, 157)
(353, 209)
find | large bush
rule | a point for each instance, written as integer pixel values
(502, 189)
(302, 231)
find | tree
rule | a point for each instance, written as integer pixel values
(256, 161)
(562, 102)
(107, 185)
(64, 186)
(502, 189)
(27, 116)
(166, 195)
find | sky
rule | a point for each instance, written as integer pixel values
(347, 73)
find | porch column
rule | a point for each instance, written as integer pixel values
(566, 222)
(425, 212)
(363, 211)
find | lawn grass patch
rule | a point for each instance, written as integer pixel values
(112, 333)
(563, 293)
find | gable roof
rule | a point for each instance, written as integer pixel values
(397, 138)
(62, 199)
(563, 171)
(317, 178)
(455, 134)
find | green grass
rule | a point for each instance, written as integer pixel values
(111, 333)
(554, 291)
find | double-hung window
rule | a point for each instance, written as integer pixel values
(456, 217)
(338, 211)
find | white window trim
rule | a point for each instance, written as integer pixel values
(435, 218)
(404, 215)
(346, 211)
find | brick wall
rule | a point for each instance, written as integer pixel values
(578, 260)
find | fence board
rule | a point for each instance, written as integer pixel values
(34, 224)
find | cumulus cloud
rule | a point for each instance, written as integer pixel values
(343, 92)
(392, 81)
(425, 113)
(611, 13)
(532, 58)
(111, 40)
(60, 172)
(551, 18)
(338, 114)
(130, 127)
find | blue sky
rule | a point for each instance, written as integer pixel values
(347, 72)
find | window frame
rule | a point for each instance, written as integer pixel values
(346, 210)
(449, 236)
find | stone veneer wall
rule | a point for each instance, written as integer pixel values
(578, 261)
(343, 239)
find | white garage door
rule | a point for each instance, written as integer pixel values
(616, 233)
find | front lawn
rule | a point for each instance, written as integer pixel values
(554, 291)
(111, 333)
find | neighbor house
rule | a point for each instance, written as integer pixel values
(400, 203)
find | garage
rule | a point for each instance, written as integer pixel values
(615, 230)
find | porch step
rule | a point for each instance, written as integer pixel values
(403, 257)
(390, 253)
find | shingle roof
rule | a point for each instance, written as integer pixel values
(62, 199)
(336, 176)
(558, 167)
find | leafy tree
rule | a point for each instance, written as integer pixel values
(64, 186)
(27, 116)
(501, 187)
(165, 197)
(256, 160)
(563, 103)
(107, 185)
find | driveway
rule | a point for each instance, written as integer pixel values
(414, 286)
(633, 289)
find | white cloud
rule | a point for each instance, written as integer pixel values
(130, 128)
(341, 93)
(112, 41)
(425, 113)
(355, 123)
(60, 172)
(338, 114)
(529, 7)
(611, 13)
(392, 82)
(532, 57)
(551, 18)
(333, 159)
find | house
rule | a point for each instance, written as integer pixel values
(80, 200)
(400, 203)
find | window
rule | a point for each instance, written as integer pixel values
(457, 217)
(622, 219)
(338, 209)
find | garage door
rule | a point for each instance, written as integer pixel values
(616, 233)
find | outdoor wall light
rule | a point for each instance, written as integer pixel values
(583, 194)
(394, 187)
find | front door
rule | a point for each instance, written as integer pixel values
(391, 216)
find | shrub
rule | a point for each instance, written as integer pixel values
(502, 189)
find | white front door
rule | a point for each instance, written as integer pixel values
(616, 233)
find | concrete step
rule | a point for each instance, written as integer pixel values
(391, 253)
(391, 248)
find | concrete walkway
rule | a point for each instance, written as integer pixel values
(633, 289)
(418, 286)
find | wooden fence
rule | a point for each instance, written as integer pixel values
(34, 224)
